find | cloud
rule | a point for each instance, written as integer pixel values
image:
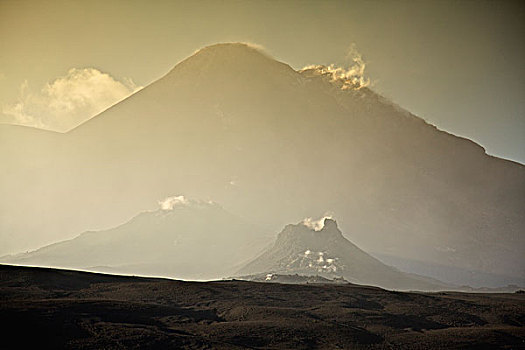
(352, 77)
(316, 225)
(67, 101)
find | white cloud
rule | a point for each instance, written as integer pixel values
(67, 101)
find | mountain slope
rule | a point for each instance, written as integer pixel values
(273, 144)
(303, 250)
(185, 239)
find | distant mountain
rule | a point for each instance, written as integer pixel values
(184, 239)
(300, 249)
(271, 144)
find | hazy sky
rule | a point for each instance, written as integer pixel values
(458, 64)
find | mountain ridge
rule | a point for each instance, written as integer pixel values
(274, 146)
(187, 239)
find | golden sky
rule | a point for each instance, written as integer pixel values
(458, 64)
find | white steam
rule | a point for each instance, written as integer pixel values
(316, 225)
(170, 203)
(352, 77)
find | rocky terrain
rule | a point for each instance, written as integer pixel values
(78, 310)
(292, 279)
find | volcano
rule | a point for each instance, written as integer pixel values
(271, 144)
(303, 250)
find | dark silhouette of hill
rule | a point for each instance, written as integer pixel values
(271, 144)
(71, 309)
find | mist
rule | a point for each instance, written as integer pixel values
(233, 126)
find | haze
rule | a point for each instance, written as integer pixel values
(192, 135)
(262, 174)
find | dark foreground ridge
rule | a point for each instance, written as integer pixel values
(71, 309)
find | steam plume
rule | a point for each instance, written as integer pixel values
(352, 77)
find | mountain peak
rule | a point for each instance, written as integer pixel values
(326, 223)
(311, 234)
(330, 224)
(225, 60)
(230, 48)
